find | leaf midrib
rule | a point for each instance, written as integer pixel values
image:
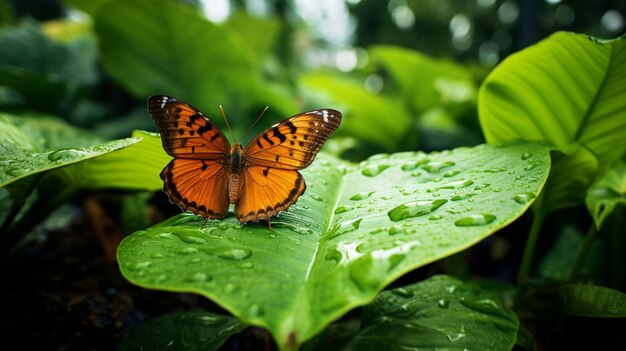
(601, 86)
(316, 254)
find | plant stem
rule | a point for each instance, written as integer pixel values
(582, 253)
(535, 229)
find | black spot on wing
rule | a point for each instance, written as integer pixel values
(268, 139)
(279, 135)
(292, 128)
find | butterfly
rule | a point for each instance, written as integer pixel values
(207, 174)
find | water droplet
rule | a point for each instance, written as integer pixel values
(531, 166)
(396, 229)
(526, 156)
(246, 265)
(64, 155)
(474, 220)
(377, 231)
(494, 170)
(345, 227)
(200, 277)
(342, 209)
(190, 239)
(255, 311)
(230, 288)
(157, 255)
(402, 292)
(317, 198)
(416, 174)
(461, 197)
(443, 303)
(222, 226)
(435, 217)
(435, 167)
(142, 265)
(457, 184)
(374, 170)
(415, 209)
(523, 198)
(449, 174)
(188, 250)
(414, 165)
(233, 254)
(361, 196)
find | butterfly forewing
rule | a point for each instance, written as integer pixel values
(265, 191)
(185, 131)
(200, 186)
(294, 142)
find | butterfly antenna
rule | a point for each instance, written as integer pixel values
(228, 125)
(253, 124)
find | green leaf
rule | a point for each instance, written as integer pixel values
(363, 110)
(42, 71)
(18, 161)
(592, 301)
(187, 330)
(566, 89)
(606, 193)
(425, 82)
(166, 47)
(441, 313)
(355, 230)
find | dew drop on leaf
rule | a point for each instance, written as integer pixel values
(461, 197)
(372, 171)
(526, 156)
(361, 196)
(443, 303)
(414, 209)
(342, 209)
(523, 198)
(436, 167)
(449, 174)
(475, 220)
(233, 254)
(317, 198)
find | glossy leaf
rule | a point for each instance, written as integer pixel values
(441, 313)
(355, 230)
(366, 111)
(592, 301)
(566, 89)
(425, 82)
(172, 49)
(607, 192)
(187, 330)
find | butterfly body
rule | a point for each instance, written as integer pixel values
(207, 174)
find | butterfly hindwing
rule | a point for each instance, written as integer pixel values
(294, 142)
(200, 186)
(265, 191)
(185, 131)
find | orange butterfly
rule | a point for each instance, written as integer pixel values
(207, 174)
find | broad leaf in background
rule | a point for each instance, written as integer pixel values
(187, 330)
(423, 81)
(44, 161)
(367, 115)
(441, 313)
(41, 71)
(606, 193)
(171, 49)
(591, 301)
(355, 230)
(567, 89)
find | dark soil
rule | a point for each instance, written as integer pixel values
(61, 292)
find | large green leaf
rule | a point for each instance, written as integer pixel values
(187, 330)
(591, 301)
(441, 313)
(41, 71)
(607, 192)
(425, 82)
(355, 230)
(165, 47)
(567, 89)
(366, 114)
